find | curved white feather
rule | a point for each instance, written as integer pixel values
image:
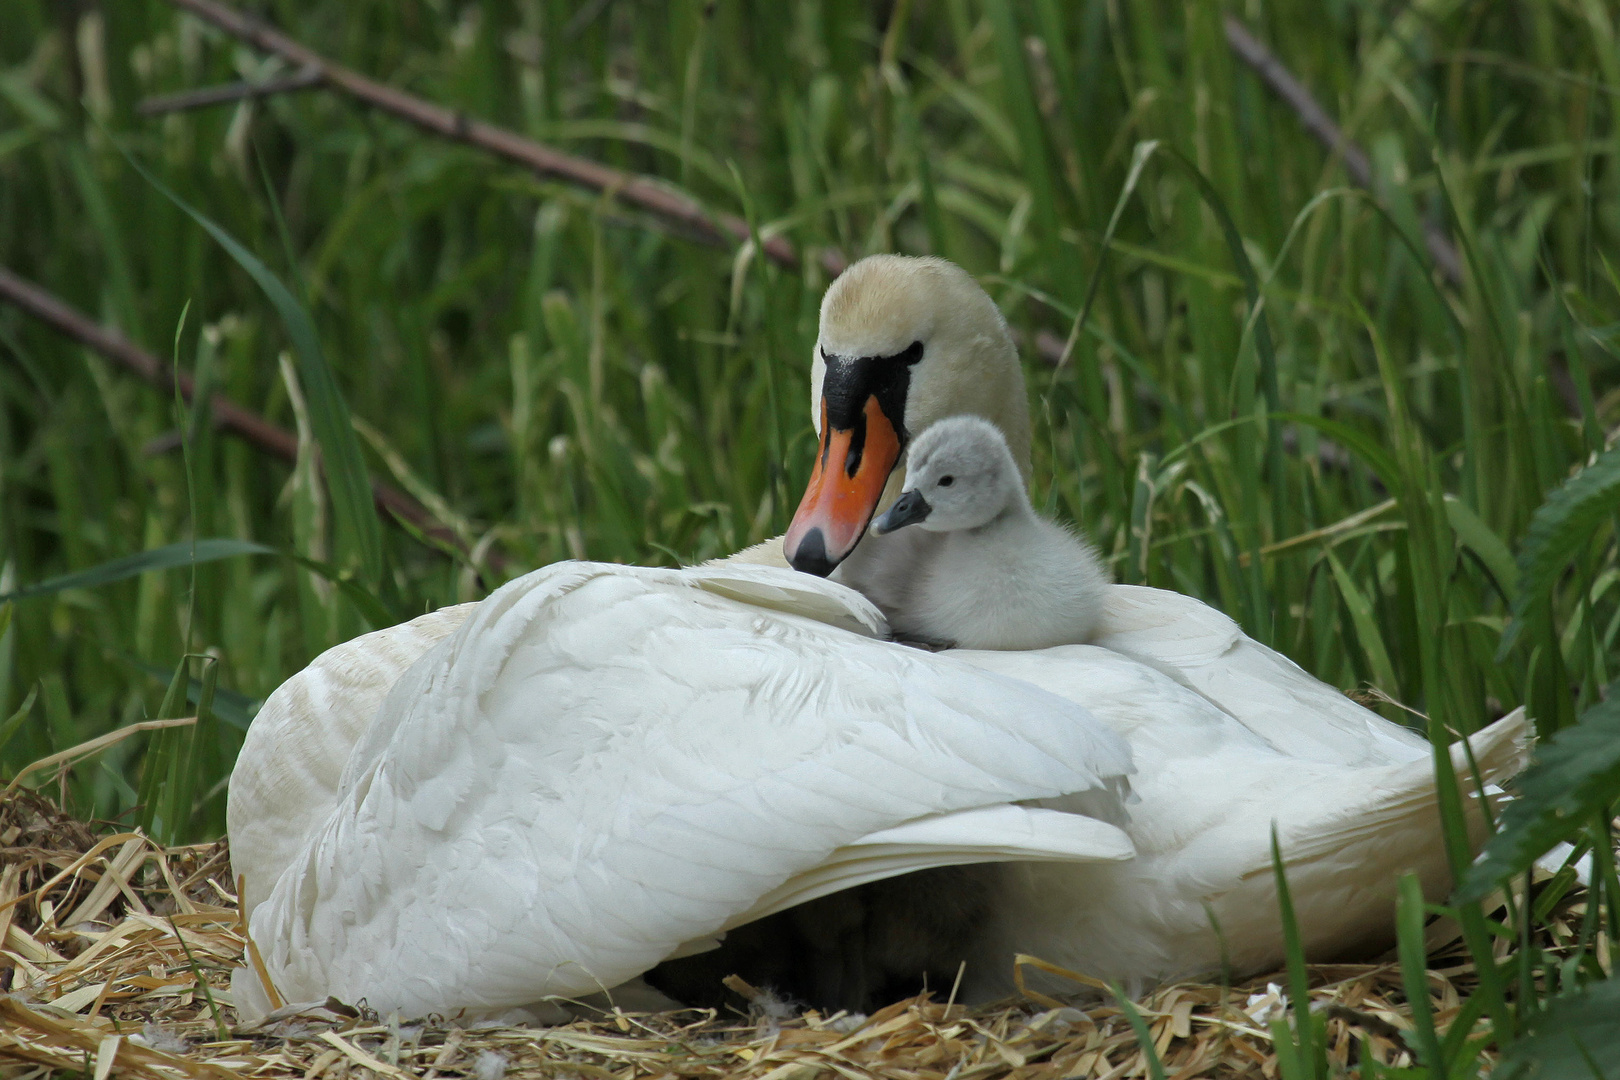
(984, 834)
(605, 762)
(287, 774)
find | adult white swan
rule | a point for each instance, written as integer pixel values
(1228, 735)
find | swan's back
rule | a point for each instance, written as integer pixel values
(1207, 652)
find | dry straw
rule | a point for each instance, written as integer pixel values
(117, 954)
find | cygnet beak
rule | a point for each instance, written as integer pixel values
(908, 509)
(863, 406)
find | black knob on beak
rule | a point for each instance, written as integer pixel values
(811, 557)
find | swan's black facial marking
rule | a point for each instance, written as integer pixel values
(863, 409)
(851, 380)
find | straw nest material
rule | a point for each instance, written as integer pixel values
(117, 953)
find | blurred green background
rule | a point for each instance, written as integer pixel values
(1348, 468)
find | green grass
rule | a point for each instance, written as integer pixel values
(1348, 466)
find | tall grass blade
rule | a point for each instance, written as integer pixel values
(1479, 538)
(1133, 176)
(1561, 527)
(15, 720)
(235, 709)
(185, 553)
(1144, 1036)
(1269, 386)
(1576, 775)
(1415, 974)
(190, 553)
(1033, 143)
(329, 415)
(1366, 624)
(1307, 1037)
(163, 754)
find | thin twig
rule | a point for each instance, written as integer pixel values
(229, 92)
(114, 346)
(644, 192)
(694, 222)
(1276, 75)
(276, 441)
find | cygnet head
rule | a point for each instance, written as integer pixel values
(903, 342)
(960, 475)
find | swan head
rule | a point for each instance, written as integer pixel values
(903, 342)
(959, 475)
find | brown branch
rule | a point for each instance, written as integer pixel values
(229, 92)
(273, 440)
(640, 191)
(1294, 93)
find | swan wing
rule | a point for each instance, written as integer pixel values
(605, 762)
(1345, 847)
(1207, 652)
(288, 773)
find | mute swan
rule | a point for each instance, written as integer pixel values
(1228, 735)
(990, 573)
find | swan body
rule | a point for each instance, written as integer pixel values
(606, 765)
(549, 791)
(984, 570)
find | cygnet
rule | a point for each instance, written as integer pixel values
(996, 575)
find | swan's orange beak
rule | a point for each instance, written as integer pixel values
(851, 469)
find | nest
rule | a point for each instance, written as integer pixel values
(117, 952)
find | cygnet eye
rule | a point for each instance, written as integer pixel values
(946, 481)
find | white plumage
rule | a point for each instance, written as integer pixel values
(286, 774)
(1210, 788)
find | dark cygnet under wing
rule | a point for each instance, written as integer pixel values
(857, 950)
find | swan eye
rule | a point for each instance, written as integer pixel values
(946, 481)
